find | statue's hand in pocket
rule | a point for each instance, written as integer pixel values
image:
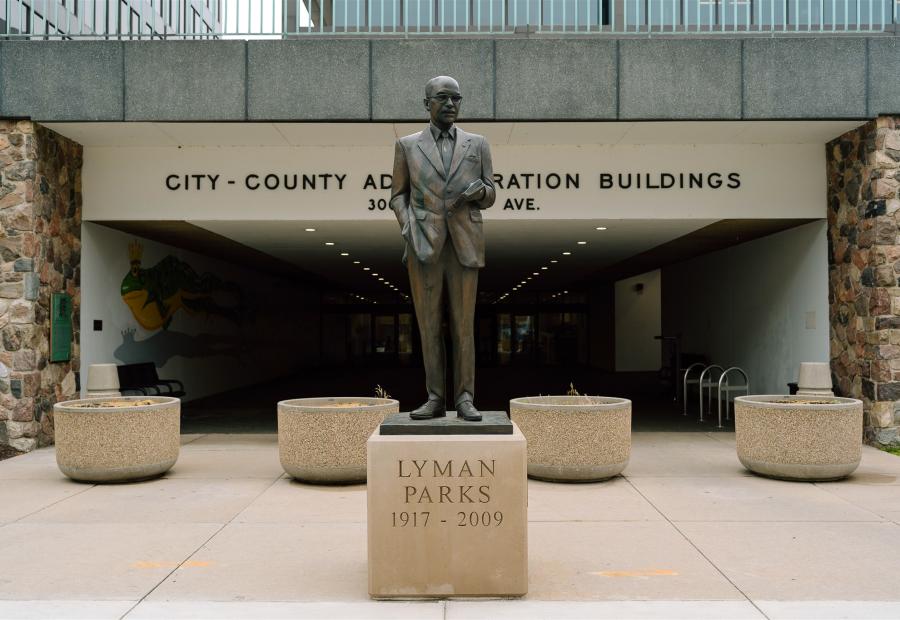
(405, 227)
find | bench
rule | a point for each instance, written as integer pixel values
(143, 379)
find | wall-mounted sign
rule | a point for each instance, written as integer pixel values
(60, 327)
(707, 181)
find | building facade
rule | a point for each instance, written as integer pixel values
(723, 175)
(104, 19)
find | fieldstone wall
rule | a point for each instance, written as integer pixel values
(40, 254)
(864, 268)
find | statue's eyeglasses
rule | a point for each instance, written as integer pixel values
(443, 98)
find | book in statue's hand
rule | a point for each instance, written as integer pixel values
(473, 190)
(470, 193)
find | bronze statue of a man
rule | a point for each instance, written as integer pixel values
(443, 178)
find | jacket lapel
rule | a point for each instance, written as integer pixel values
(459, 150)
(428, 147)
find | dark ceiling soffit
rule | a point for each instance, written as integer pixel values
(186, 236)
(717, 236)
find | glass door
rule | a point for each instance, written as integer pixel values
(385, 336)
(360, 337)
(523, 338)
(504, 339)
(405, 346)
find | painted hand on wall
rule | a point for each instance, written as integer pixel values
(156, 294)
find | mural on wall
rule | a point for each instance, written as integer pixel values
(156, 294)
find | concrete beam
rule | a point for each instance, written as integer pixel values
(185, 81)
(529, 78)
(805, 78)
(400, 69)
(61, 80)
(884, 76)
(556, 79)
(680, 79)
(311, 79)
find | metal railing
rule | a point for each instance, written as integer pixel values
(726, 388)
(202, 19)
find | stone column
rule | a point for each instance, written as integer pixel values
(864, 267)
(40, 254)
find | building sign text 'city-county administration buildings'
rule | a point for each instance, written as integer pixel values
(309, 183)
(378, 183)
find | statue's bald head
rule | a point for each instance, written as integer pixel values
(437, 83)
(442, 100)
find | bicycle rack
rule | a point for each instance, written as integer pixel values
(709, 383)
(727, 388)
(685, 382)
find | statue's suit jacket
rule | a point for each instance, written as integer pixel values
(422, 196)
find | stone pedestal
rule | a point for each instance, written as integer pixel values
(447, 515)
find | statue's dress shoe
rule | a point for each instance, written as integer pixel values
(467, 411)
(431, 409)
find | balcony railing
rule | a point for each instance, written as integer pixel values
(205, 19)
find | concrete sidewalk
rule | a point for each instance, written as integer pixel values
(686, 533)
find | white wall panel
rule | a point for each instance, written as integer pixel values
(775, 181)
(761, 305)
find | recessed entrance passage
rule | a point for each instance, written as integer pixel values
(250, 295)
(294, 317)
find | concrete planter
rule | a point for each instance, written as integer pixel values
(808, 438)
(323, 440)
(574, 438)
(117, 444)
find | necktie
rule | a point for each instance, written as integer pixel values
(446, 150)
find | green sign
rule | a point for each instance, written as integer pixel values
(60, 327)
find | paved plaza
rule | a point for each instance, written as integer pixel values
(685, 533)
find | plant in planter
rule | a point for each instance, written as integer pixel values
(117, 439)
(323, 440)
(799, 437)
(574, 438)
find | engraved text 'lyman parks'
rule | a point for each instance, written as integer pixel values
(430, 481)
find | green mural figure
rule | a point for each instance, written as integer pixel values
(154, 295)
